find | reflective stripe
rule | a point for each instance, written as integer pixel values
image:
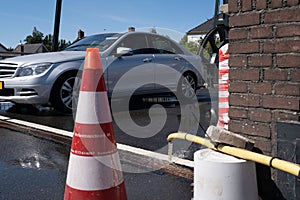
(93, 108)
(94, 173)
(223, 105)
(223, 94)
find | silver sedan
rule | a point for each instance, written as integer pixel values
(133, 63)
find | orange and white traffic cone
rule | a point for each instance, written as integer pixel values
(94, 170)
(223, 87)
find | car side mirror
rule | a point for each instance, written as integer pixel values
(123, 51)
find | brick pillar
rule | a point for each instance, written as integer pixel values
(264, 49)
(264, 75)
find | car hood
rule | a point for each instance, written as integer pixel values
(52, 57)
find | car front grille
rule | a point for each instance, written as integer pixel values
(7, 92)
(7, 69)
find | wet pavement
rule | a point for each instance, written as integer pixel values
(139, 113)
(33, 168)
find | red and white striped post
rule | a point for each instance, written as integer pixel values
(223, 87)
(94, 170)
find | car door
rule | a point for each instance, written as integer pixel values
(168, 63)
(131, 72)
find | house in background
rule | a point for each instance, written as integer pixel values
(3, 51)
(199, 32)
(30, 48)
(22, 49)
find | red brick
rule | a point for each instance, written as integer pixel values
(238, 61)
(275, 75)
(238, 113)
(244, 47)
(295, 75)
(280, 102)
(248, 128)
(261, 88)
(244, 20)
(260, 115)
(292, 2)
(245, 100)
(290, 30)
(233, 6)
(282, 46)
(286, 15)
(261, 32)
(246, 5)
(238, 34)
(261, 4)
(287, 89)
(263, 144)
(288, 60)
(285, 115)
(244, 74)
(276, 3)
(260, 60)
(238, 87)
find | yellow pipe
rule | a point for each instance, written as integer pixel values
(274, 162)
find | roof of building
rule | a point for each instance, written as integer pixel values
(32, 48)
(3, 48)
(204, 27)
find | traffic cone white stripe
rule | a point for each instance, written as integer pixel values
(96, 136)
(96, 112)
(82, 168)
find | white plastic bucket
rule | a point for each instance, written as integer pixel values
(220, 176)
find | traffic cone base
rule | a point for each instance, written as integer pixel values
(118, 192)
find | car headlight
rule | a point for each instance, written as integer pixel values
(35, 69)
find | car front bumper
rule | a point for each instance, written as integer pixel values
(24, 92)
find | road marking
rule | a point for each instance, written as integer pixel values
(40, 127)
(122, 147)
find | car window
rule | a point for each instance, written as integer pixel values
(101, 41)
(137, 42)
(164, 45)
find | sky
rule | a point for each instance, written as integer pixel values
(19, 17)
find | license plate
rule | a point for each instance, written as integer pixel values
(1, 85)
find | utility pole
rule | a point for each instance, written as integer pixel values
(56, 25)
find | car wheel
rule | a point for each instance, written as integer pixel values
(187, 86)
(62, 92)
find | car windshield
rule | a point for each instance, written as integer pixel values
(101, 41)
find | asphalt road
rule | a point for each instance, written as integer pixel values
(139, 128)
(34, 168)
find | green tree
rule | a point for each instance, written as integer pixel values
(190, 46)
(63, 44)
(36, 37)
(47, 41)
(153, 30)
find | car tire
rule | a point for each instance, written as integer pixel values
(62, 92)
(186, 88)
